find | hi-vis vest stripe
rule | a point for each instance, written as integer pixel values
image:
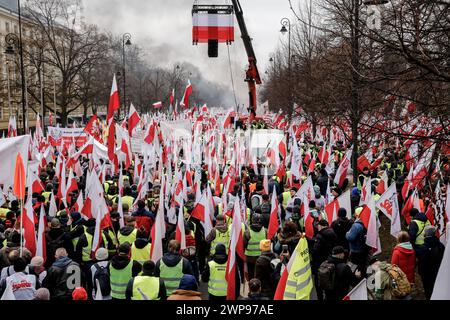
(223, 238)
(119, 280)
(141, 255)
(149, 287)
(299, 283)
(253, 246)
(420, 240)
(171, 276)
(131, 238)
(217, 285)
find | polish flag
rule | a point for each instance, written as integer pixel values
(365, 160)
(78, 206)
(172, 98)
(72, 185)
(180, 234)
(441, 290)
(202, 212)
(366, 191)
(62, 184)
(341, 173)
(266, 180)
(150, 137)
(421, 171)
(388, 204)
(114, 101)
(36, 182)
(279, 293)
(236, 247)
(274, 224)
(369, 219)
(217, 183)
(159, 227)
(309, 229)
(91, 127)
(133, 120)
(411, 155)
(228, 117)
(408, 184)
(41, 241)
(382, 185)
(12, 127)
(126, 149)
(358, 293)
(157, 105)
(187, 93)
(53, 210)
(333, 207)
(28, 222)
(120, 211)
(97, 239)
(377, 161)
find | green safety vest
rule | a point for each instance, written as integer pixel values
(223, 238)
(128, 200)
(141, 255)
(107, 184)
(217, 284)
(113, 237)
(299, 283)
(420, 240)
(119, 280)
(171, 275)
(253, 247)
(46, 196)
(131, 238)
(86, 252)
(286, 198)
(149, 287)
(75, 240)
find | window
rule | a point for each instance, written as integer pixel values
(7, 26)
(16, 29)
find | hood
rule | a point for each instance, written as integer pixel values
(327, 233)
(171, 259)
(432, 242)
(188, 283)
(220, 258)
(120, 262)
(55, 233)
(284, 239)
(405, 247)
(141, 243)
(186, 293)
(62, 263)
(256, 227)
(335, 260)
(421, 217)
(127, 230)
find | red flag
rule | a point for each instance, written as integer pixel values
(151, 134)
(133, 120)
(157, 105)
(114, 101)
(341, 173)
(172, 97)
(90, 127)
(29, 226)
(19, 178)
(187, 93)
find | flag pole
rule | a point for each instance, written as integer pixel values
(21, 216)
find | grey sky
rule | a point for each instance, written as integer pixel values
(164, 29)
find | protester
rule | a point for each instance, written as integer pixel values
(265, 270)
(23, 285)
(187, 289)
(214, 274)
(404, 256)
(146, 286)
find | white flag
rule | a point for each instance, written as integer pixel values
(442, 284)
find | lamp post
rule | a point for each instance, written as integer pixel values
(286, 27)
(126, 41)
(12, 41)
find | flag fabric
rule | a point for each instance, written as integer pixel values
(388, 204)
(274, 224)
(41, 241)
(369, 218)
(114, 101)
(28, 222)
(159, 227)
(333, 207)
(187, 93)
(157, 105)
(358, 293)
(441, 289)
(341, 173)
(19, 178)
(236, 247)
(180, 234)
(133, 120)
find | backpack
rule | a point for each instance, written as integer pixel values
(102, 275)
(256, 200)
(326, 275)
(400, 286)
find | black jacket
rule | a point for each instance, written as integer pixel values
(340, 227)
(324, 243)
(171, 260)
(58, 276)
(344, 279)
(55, 239)
(264, 272)
(413, 229)
(220, 259)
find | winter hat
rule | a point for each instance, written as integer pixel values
(265, 245)
(188, 282)
(221, 250)
(430, 231)
(355, 192)
(79, 294)
(101, 254)
(342, 213)
(324, 223)
(338, 250)
(76, 217)
(413, 212)
(55, 224)
(42, 294)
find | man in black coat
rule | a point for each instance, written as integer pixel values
(340, 227)
(264, 271)
(344, 278)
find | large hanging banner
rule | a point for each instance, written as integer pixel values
(137, 140)
(66, 136)
(9, 148)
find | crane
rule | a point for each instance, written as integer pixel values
(252, 74)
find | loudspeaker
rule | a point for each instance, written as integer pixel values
(213, 48)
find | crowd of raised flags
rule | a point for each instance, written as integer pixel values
(214, 147)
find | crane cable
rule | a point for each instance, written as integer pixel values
(231, 75)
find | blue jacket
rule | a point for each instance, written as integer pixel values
(357, 237)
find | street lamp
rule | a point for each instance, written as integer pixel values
(126, 41)
(286, 27)
(12, 41)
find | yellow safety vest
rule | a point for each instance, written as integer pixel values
(149, 287)
(217, 284)
(171, 276)
(46, 196)
(3, 212)
(286, 198)
(223, 238)
(131, 238)
(119, 280)
(141, 255)
(75, 240)
(128, 200)
(253, 248)
(420, 240)
(86, 252)
(299, 283)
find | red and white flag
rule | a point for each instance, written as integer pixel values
(366, 191)
(388, 204)
(236, 247)
(187, 93)
(41, 241)
(358, 293)
(341, 173)
(159, 227)
(333, 207)
(180, 234)
(365, 160)
(274, 223)
(369, 218)
(29, 225)
(383, 184)
(157, 105)
(172, 98)
(12, 127)
(133, 120)
(114, 105)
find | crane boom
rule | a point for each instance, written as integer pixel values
(252, 74)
